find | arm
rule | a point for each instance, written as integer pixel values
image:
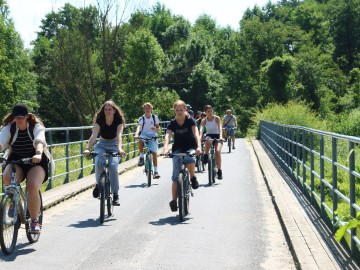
(235, 122)
(92, 139)
(220, 127)
(138, 129)
(119, 134)
(5, 137)
(202, 128)
(197, 138)
(166, 141)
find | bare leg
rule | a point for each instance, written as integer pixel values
(34, 181)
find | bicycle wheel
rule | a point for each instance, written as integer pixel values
(181, 199)
(102, 198)
(9, 226)
(109, 204)
(187, 194)
(148, 169)
(34, 237)
(210, 170)
(213, 175)
(229, 144)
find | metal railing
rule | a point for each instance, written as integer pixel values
(324, 166)
(67, 144)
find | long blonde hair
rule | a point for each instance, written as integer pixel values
(100, 114)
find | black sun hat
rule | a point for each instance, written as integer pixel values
(20, 110)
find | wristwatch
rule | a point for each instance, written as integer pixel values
(38, 152)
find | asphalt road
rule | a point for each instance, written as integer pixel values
(233, 225)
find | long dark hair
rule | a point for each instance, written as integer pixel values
(100, 114)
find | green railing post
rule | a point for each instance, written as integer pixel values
(81, 151)
(352, 194)
(334, 180)
(322, 175)
(292, 155)
(50, 181)
(67, 154)
(304, 160)
(297, 157)
(312, 167)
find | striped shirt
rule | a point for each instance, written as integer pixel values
(23, 146)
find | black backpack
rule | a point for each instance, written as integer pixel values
(13, 130)
(143, 118)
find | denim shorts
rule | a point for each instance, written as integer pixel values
(176, 164)
(230, 130)
(153, 144)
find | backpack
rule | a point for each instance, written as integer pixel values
(13, 130)
(143, 118)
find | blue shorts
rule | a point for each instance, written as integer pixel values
(230, 130)
(153, 144)
(176, 164)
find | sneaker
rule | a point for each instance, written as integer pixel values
(233, 146)
(116, 200)
(205, 159)
(96, 192)
(35, 226)
(173, 206)
(141, 161)
(156, 175)
(194, 183)
(219, 174)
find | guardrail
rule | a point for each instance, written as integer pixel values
(325, 166)
(67, 144)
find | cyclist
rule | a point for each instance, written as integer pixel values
(186, 138)
(109, 123)
(148, 127)
(230, 124)
(213, 130)
(23, 135)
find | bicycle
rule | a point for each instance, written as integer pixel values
(148, 158)
(212, 160)
(16, 197)
(105, 187)
(184, 190)
(229, 140)
(199, 163)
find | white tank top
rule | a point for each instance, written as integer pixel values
(211, 127)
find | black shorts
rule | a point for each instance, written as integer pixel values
(213, 136)
(44, 163)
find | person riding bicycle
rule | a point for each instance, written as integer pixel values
(109, 123)
(186, 138)
(148, 126)
(229, 126)
(214, 131)
(23, 135)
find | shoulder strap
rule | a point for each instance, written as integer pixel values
(143, 118)
(228, 120)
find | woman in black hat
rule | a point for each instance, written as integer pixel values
(23, 135)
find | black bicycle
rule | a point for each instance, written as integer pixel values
(148, 168)
(105, 187)
(200, 166)
(14, 210)
(229, 139)
(212, 159)
(184, 190)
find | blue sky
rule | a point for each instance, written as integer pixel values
(27, 14)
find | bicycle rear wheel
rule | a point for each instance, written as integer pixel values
(9, 226)
(148, 168)
(102, 198)
(210, 171)
(34, 237)
(187, 195)
(181, 198)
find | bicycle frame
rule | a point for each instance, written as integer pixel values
(148, 158)
(212, 159)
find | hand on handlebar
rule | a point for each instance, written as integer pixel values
(87, 153)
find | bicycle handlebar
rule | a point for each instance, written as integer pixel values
(212, 140)
(20, 161)
(191, 154)
(116, 154)
(147, 139)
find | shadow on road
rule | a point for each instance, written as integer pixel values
(143, 185)
(20, 250)
(90, 223)
(173, 220)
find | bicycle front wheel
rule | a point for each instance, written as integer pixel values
(181, 198)
(102, 198)
(229, 144)
(148, 169)
(210, 171)
(34, 237)
(109, 204)
(9, 224)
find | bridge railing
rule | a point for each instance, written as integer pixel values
(325, 166)
(66, 144)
